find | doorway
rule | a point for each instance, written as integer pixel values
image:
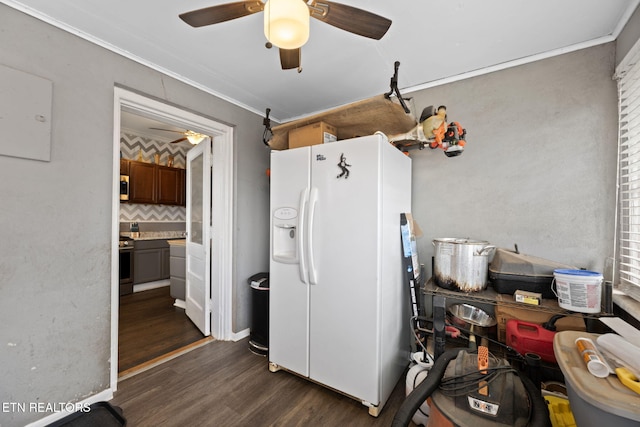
(222, 209)
(151, 329)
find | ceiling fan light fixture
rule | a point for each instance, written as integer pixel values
(286, 23)
(195, 138)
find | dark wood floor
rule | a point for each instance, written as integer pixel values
(224, 384)
(150, 326)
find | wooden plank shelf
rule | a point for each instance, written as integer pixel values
(360, 118)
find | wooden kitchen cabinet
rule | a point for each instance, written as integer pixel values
(170, 185)
(124, 167)
(150, 261)
(155, 184)
(177, 269)
(142, 182)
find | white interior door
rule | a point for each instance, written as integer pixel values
(198, 242)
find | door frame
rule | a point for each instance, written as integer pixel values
(222, 210)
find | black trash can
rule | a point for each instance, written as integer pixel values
(259, 336)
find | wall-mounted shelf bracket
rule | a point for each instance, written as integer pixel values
(394, 88)
(267, 134)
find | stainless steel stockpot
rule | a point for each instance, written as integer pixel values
(462, 264)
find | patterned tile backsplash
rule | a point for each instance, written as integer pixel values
(130, 147)
(151, 213)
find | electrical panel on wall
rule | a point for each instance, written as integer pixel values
(25, 115)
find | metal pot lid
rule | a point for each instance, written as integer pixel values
(460, 241)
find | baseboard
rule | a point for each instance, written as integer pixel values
(237, 336)
(151, 285)
(103, 396)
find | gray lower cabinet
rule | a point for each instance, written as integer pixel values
(177, 269)
(150, 261)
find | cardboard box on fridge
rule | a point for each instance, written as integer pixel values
(507, 308)
(315, 133)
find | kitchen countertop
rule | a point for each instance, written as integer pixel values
(156, 235)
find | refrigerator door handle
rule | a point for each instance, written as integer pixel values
(302, 220)
(313, 199)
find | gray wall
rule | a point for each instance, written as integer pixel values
(628, 37)
(55, 217)
(539, 168)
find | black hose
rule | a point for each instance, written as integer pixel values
(419, 394)
(539, 412)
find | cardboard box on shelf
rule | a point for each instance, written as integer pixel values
(507, 308)
(531, 298)
(315, 133)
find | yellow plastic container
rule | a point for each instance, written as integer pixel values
(560, 411)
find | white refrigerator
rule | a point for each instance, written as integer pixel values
(338, 305)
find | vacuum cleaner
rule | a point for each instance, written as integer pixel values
(461, 394)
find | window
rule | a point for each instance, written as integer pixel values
(628, 235)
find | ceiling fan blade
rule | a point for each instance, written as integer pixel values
(290, 58)
(351, 19)
(178, 140)
(221, 13)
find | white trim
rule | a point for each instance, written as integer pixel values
(115, 233)
(151, 285)
(99, 397)
(510, 64)
(222, 236)
(222, 194)
(240, 335)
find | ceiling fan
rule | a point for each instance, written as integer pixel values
(188, 135)
(286, 22)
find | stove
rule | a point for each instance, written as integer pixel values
(125, 264)
(125, 243)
